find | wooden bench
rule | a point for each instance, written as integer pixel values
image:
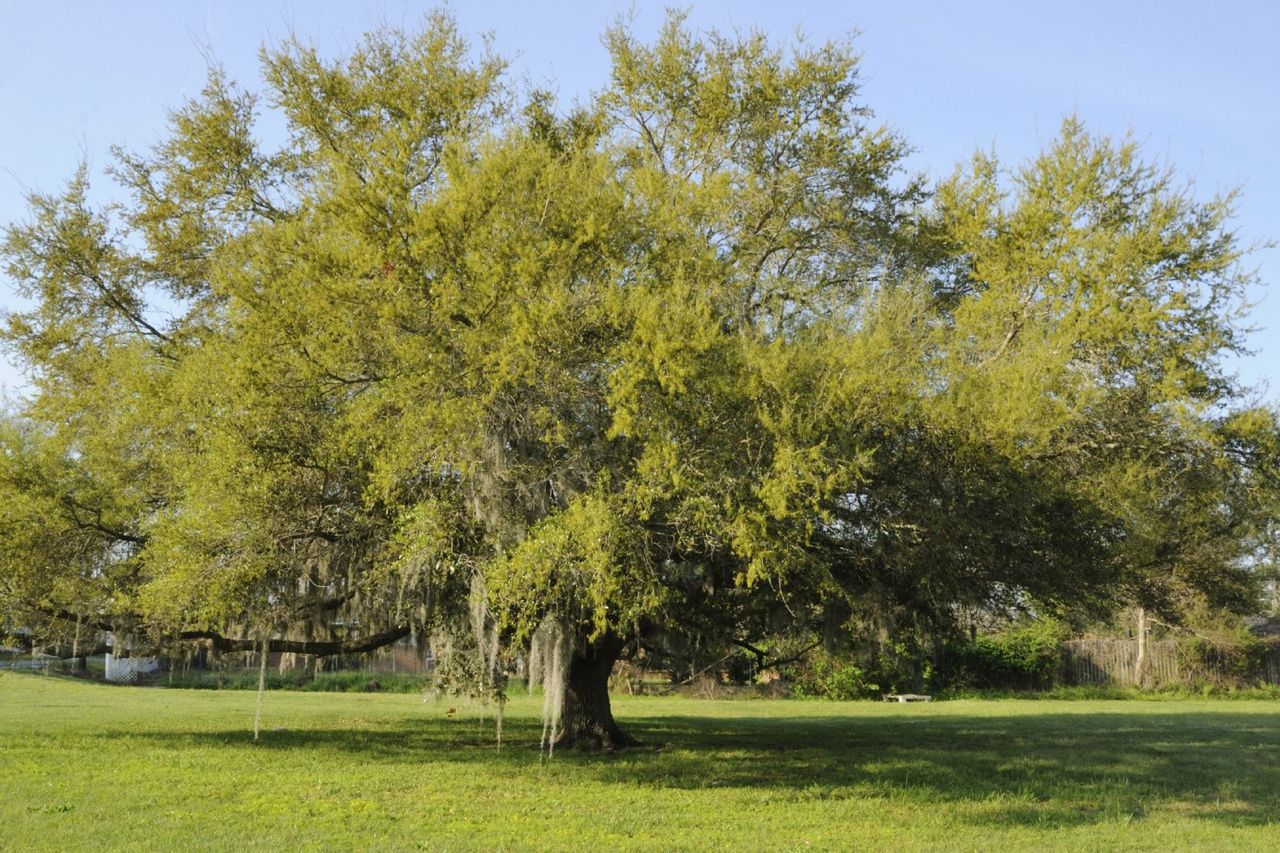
(907, 697)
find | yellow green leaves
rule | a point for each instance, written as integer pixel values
(589, 562)
(1087, 273)
(378, 123)
(698, 332)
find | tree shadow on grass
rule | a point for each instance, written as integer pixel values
(1042, 769)
(1047, 770)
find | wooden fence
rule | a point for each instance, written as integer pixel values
(1114, 661)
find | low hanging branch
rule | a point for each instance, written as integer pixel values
(220, 643)
(304, 647)
(759, 654)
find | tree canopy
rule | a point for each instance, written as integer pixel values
(695, 357)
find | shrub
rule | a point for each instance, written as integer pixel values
(824, 676)
(1237, 663)
(1021, 658)
(324, 682)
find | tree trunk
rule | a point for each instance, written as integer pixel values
(587, 719)
(262, 686)
(1140, 676)
(81, 663)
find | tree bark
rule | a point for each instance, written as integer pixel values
(81, 664)
(262, 686)
(587, 719)
(220, 643)
(1140, 675)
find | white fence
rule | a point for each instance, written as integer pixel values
(127, 670)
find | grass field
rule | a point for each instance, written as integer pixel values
(85, 766)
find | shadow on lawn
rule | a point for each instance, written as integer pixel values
(1043, 769)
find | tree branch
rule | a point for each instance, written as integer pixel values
(305, 647)
(221, 643)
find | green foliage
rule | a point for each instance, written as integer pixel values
(1231, 663)
(828, 677)
(1111, 692)
(694, 357)
(1022, 658)
(323, 682)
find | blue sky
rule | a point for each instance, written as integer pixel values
(1197, 83)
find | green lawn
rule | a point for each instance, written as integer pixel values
(92, 766)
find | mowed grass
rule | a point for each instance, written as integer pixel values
(85, 766)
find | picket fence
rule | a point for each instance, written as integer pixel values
(1114, 661)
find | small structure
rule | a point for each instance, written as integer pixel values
(127, 670)
(907, 697)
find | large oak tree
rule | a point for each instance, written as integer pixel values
(696, 356)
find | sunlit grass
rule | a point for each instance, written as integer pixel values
(93, 766)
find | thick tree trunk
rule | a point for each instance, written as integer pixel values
(587, 719)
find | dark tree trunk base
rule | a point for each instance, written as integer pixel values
(587, 719)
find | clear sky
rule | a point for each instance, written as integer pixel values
(1197, 83)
